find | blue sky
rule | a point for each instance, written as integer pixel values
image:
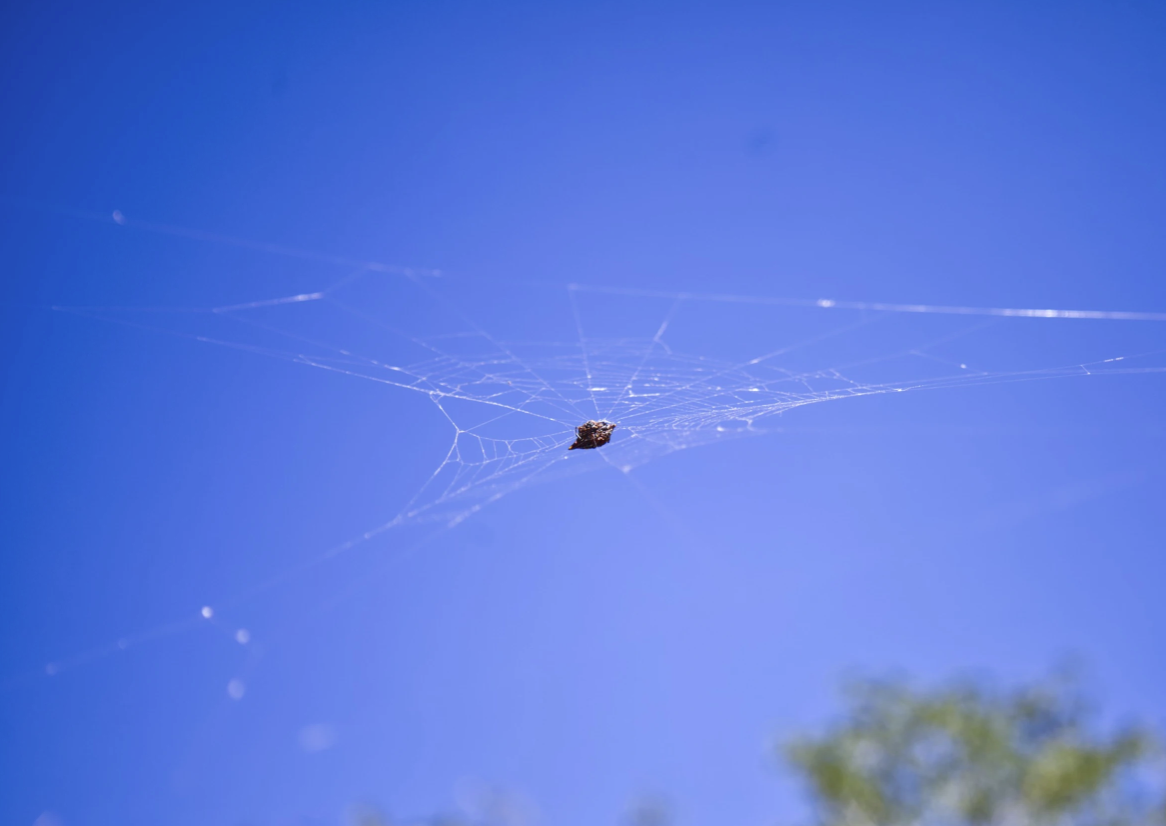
(588, 637)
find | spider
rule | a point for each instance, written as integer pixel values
(592, 434)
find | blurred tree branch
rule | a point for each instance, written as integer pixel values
(961, 755)
(968, 755)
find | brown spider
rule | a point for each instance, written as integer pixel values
(592, 434)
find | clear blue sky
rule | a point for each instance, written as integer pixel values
(601, 635)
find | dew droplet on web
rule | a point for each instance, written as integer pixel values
(317, 737)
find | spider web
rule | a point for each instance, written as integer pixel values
(514, 368)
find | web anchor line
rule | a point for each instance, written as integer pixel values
(882, 307)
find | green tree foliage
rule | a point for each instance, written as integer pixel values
(963, 755)
(969, 756)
